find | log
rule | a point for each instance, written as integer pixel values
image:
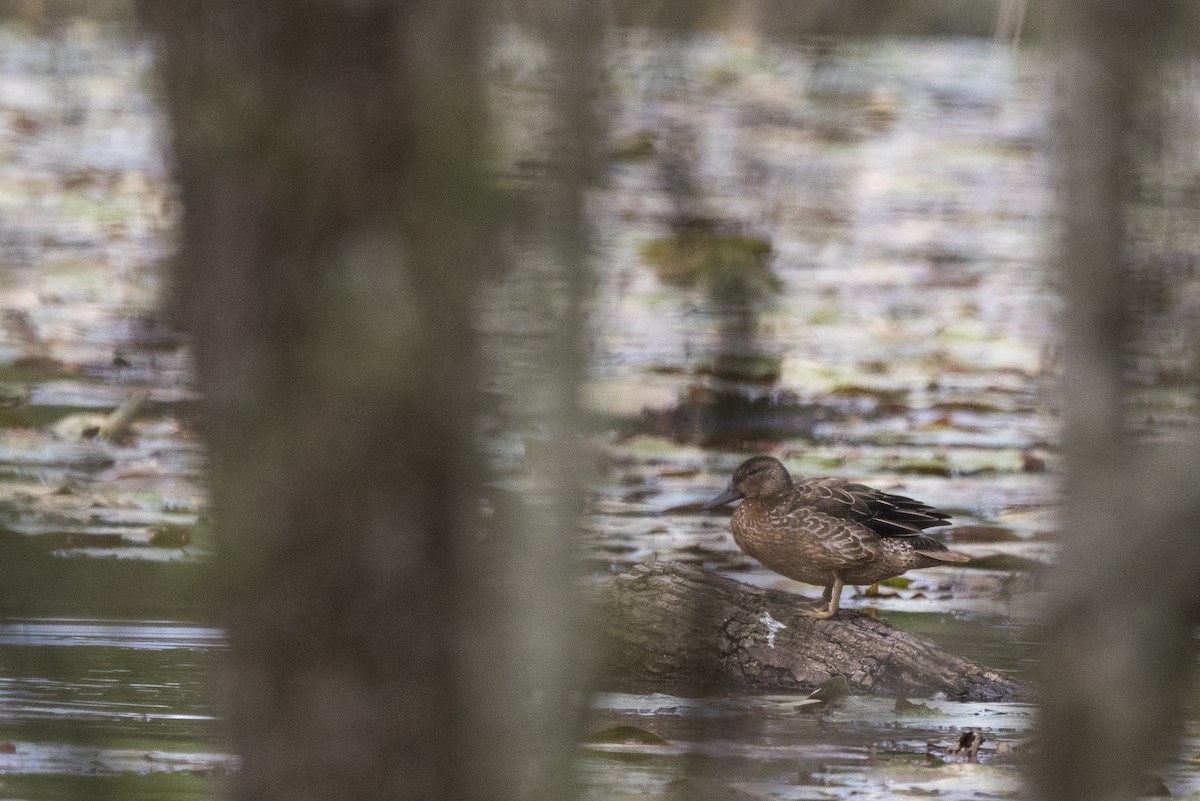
(670, 624)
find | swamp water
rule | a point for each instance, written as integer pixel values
(899, 337)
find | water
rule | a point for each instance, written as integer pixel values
(765, 748)
(89, 707)
(908, 343)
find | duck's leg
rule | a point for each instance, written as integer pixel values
(833, 593)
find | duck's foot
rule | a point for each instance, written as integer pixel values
(833, 595)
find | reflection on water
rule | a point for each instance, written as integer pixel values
(92, 704)
(860, 747)
(856, 746)
(140, 635)
(993, 641)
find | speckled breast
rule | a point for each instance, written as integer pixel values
(791, 550)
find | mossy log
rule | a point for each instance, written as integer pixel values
(682, 626)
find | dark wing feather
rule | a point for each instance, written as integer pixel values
(886, 514)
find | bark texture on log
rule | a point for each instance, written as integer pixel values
(674, 623)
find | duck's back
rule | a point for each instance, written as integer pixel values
(885, 514)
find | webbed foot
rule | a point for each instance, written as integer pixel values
(833, 597)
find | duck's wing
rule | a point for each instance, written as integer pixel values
(886, 514)
(833, 540)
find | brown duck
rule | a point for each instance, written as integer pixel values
(829, 531)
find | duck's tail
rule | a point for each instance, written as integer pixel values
(945, 556)
(936, 550)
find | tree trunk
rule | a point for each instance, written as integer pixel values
(1125, 596)
(676, 624)
(331, 164)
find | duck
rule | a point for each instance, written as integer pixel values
(829, 531)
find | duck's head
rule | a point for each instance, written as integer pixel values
(757, 477)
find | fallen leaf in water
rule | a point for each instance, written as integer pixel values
(831, 689)
(626, 735)
(907, 707)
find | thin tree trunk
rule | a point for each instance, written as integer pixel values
(334, 229)
(527, 650)
(1124, 601)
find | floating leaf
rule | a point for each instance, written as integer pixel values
(167, 535)
(907, 707)
(832, 689)
(639, 147)
(626, 735)
(758, 368)
(808, 705)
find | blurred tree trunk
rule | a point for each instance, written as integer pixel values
(336, 224)
(1127, 594)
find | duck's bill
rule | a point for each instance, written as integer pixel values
(728, 496)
